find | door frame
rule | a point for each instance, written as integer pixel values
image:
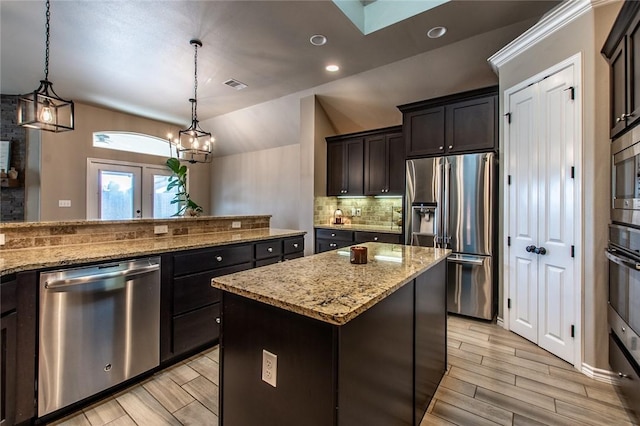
(576, 61)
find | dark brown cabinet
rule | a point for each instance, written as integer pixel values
(190, 306)
(8, 351)
(331, 239)
(454, 124)
(366, 163)
(622, 50)
(384, 164)
(345, 166)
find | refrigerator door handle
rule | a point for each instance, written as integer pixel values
(437, 237)
(445, 205)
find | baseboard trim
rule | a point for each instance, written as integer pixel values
(500, 322)
(599, 374)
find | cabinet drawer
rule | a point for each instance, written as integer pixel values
(269, 249)
(334, 234)
(326, 245)
(293, 245)
(195, 328)
(629, 381)
(269, 261)
(189, 263)
(195, 291)
(7, 294)
(379, 237)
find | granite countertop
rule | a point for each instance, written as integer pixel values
(366, 228)
(19, 260)
(327, 286)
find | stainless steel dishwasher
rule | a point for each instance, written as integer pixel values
(99, 326)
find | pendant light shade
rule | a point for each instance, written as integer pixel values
(43, 109)
(193, 144)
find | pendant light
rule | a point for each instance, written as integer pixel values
(194, 144)
(43, 109)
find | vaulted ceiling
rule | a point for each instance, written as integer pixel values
(135, 56)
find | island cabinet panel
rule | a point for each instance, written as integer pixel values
(431, 336)
(375, 364)
(8, 350)
(305, 350)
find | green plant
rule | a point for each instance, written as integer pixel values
(179, 181)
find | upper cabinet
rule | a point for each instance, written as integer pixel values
(366, 163)
(384, 164)
(622, 50)
(345, 166)
(455, 124)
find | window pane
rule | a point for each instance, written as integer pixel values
(162, 206)
(116, 195)
(132, 142)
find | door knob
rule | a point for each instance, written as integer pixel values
(540, 250)
(531, 249)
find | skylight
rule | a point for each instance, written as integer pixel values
(372, 16)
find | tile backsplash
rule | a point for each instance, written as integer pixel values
(373, 211)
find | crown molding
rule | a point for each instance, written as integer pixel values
(559, 17)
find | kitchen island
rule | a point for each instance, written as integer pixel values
(354, 344)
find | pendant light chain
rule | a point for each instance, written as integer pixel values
(195, 86)
(46, 55)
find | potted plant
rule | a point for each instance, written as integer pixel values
(179, 181)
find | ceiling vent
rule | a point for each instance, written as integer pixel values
(238, 85)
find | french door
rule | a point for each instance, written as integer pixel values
(120, 191)
(541, 144)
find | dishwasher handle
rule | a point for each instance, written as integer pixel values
(88, 279)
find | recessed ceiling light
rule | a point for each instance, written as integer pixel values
(318, 40)
(332, 68)
(436, 32)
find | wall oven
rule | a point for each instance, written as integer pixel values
(625, 179)
(623, 254)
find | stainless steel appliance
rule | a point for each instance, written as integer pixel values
(450, 203)
(624, 307)
(99, 326)
(626, 178)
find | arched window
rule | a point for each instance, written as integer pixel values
(132, 142)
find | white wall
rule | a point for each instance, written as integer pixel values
(259, 182)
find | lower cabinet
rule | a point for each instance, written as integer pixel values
(190, 306)
(331, 239)
(8, 349)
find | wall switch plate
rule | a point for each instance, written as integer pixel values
(236, 224)
(353, 211)
(2, 241)
(269, 367)
(64, 203)
(160, 229)
(358, 212)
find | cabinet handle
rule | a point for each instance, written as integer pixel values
(219, 258)
(218, 320)
(441, 148)
(624, 330)
(295, 245)
(333, 235)
(622, 375)
(375, 238)
(270, 250)
(332, 245)
(450, 146)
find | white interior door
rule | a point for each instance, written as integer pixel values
(541, 157)
(556, 294)
(523, 214)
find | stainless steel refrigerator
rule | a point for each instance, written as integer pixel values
(450, 203)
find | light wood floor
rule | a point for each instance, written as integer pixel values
(494, 377)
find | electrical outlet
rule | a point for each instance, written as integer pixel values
(2, 241)
(236, 224)
(358, 212)
(353, 211)
(160, 229)
(64, 203)
(269, 367)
